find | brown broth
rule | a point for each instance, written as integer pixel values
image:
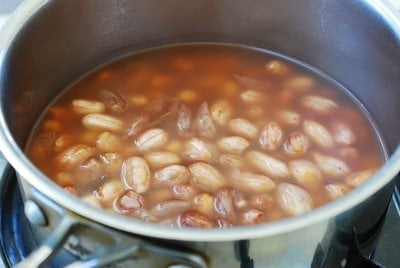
(154, 87)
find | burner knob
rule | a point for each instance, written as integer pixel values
(34, 213)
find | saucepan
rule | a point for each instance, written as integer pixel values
(47, 44)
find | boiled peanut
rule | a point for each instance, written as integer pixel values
(318, 134)
(161, 195)
(342, 134)
(278, 68)
(174, 146)
(348, 153)
(172, 175)
(109, 190)
(64, 141)
(300, 84)
(330, 166)
(183, 192)
(188, 95)
(289, 118)
(161, 108)
(251, 216)
(43, 145)
(243, 127)
(61, 113)
(51, 125)
(70, 189)
(357, 178)
(204, 124)
(293, 199)
(183, 64)
(108, 142)
(221, 112)
(223, 204)
(268, 165)
(163, 80)
(162, 159)
(251, 96)
(336, 190)
(233, 144)
(196, 149)
(306, 174)
(135, 174)
(144, 215)
(271, 136)
(239, 200)
(90, 170)
(253, 182)
(296, 144)
(138, 100)
(106, 76)
(249, 82)
(137, 125)
(318, 104)
(184, 122)
(203, 203)
(64, 179)
(230, 88)
(81, 106)
(206, 176)
(91, 200)
(151, 140)
(195, 220)
(128, 202)
(232, 161)
(262, 201)
(112, 162)
(103, 122)
(223, 223)
(89, 136)
(113, 100)
(73, 156)
(169, 207)
(253, 83)
(255, 112)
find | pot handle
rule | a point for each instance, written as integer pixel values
(119, 253)
(50, 245)
(120, 249)
(187, 259)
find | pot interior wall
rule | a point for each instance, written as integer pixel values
(345, 39)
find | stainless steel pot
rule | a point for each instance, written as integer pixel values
(47, 44)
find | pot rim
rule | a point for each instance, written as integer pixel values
(39, 181)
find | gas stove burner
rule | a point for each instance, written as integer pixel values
(17, 237)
